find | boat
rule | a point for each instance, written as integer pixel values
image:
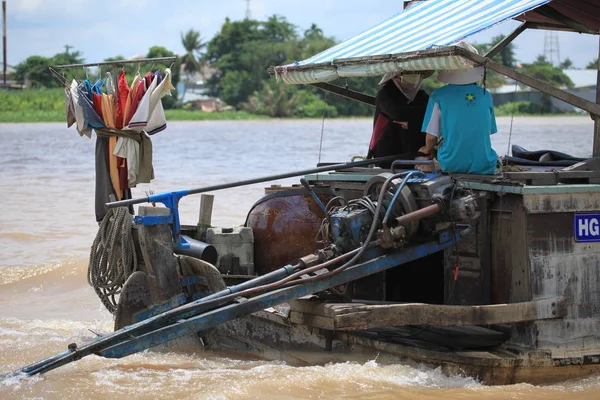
(490, 276)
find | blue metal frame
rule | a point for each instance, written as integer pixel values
(171, 201)
(227, 313)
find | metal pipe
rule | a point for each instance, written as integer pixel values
(117, 62)
(4, 37)
(264, 179)
(596, 147)
(419, 214)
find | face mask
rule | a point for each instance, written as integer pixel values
(407, 88)
(412, 79)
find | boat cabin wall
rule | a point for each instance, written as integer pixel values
(535, 255)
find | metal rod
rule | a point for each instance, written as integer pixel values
(117, 62)
(506, 41)
(347, 93)
(596, 147)
(265, 179)
(4, 37)
(417, 215)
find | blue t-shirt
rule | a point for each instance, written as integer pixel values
(463, 116)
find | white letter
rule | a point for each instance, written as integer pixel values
(594, 227)
(583, 227)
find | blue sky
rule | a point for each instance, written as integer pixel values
(101, 29)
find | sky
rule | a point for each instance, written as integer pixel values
(102, 29)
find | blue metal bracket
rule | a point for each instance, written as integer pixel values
(171, 201)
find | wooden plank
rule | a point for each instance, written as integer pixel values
(311, 320)
(367, 317)
(506, 41)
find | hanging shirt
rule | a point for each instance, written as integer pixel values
(140, 118)
(463, 116)
(123, 93)
(82, 127)
(91, 117)
(108, 110)
(129, 149)
(110, 84)
(135, 96)
(164, 88)
(69, 110)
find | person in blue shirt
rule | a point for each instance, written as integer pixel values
(460, 117)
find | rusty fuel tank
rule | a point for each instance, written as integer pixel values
(285, 223)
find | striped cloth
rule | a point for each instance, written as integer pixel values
(426, 25)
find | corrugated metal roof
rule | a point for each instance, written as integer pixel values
(433, 23)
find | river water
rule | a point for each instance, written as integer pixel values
(47, 225)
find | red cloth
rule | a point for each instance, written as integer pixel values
(136, 96)
(98, 104)
(378, 129)
(122, 165)
(123, 90)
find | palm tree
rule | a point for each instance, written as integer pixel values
(192, 43)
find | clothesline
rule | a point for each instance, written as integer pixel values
(117, 62)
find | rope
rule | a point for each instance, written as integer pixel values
(322, 129)
(512, 118)
(112, 257)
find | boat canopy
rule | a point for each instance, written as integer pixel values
(429, 34)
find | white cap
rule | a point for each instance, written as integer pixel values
(461, 76)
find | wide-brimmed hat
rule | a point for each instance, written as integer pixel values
(390, 75)
(461, 76)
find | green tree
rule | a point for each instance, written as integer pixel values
(593, 64)
(243, 50)
(193, 44)
(35, 73)
(544, 71)
(566, 64)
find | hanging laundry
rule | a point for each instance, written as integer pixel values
(108, 110)
(137, 92)
(110, 84)
(79, 118)
(129, 149)
(91, 117)
(140, 119)
(69, 109)
(123, 93)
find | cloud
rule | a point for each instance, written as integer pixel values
(101, 29)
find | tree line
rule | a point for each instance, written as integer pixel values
(240, 53)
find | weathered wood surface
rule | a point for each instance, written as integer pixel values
(561, 202)
(156, 243)
(555, 177)
(352, 316)
(275, 339)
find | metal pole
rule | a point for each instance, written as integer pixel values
(213, 188)
(596, 117)
(117, 62)
(4, 37)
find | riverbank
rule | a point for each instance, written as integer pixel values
(47, 105)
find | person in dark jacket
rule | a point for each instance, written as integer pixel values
(399, 111)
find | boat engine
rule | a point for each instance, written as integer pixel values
(413, 207)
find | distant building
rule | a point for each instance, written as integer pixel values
(585, 87)
(10, 83)
(194, 93)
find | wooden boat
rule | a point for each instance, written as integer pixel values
(496, 277)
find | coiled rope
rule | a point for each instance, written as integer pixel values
(112, 257)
